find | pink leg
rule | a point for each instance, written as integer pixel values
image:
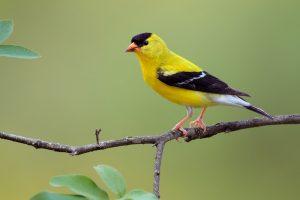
(198, 122)
(178, 126)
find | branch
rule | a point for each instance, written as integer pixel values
(171, 135)
(159, 141)
(227, 127)
(159, 152)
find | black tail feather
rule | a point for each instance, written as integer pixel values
(259, 111)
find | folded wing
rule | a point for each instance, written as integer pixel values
(198, 81)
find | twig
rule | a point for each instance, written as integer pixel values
(97, 133)
(157, 163)
(159, 140)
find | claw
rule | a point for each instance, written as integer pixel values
(182, 130)
(198, 123)
(178, 126)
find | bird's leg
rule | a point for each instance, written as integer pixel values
(198, 122)
(178, 126)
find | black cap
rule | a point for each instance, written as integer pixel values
(140, 39)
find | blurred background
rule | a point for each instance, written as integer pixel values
(84, 81)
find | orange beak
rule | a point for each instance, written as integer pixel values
(132, 47)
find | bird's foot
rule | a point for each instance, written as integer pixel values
(198, 123)
(182, 130)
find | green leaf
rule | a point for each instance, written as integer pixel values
(6, 28)
(56, 196)
(112, 178)
(17, 52)
(81, 185)
(139, 195)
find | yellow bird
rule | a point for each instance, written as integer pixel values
(183, 82)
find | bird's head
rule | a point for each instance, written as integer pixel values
(148, 46)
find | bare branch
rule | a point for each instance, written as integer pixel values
(159, 141)
(193, 134)
(77, 150)
(159, 152)
(227, 127)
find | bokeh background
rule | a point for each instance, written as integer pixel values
(84, 81)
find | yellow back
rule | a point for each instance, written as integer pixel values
(157, 55)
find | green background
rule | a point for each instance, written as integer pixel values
(84, 81)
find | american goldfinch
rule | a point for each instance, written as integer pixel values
(183, 82)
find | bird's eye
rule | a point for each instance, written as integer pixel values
(146, 42)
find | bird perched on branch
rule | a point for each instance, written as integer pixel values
(183, 82)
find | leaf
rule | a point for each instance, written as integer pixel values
(6, 28)
(112, 178)
(56, 196)
(81, 185)
(139, 195)
(17, 52)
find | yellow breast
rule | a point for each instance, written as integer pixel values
(175, 94)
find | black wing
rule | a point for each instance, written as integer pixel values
(198, 81)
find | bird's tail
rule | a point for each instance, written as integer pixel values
(233, 100)
(259, 111)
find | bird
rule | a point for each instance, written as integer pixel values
(183, 82)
